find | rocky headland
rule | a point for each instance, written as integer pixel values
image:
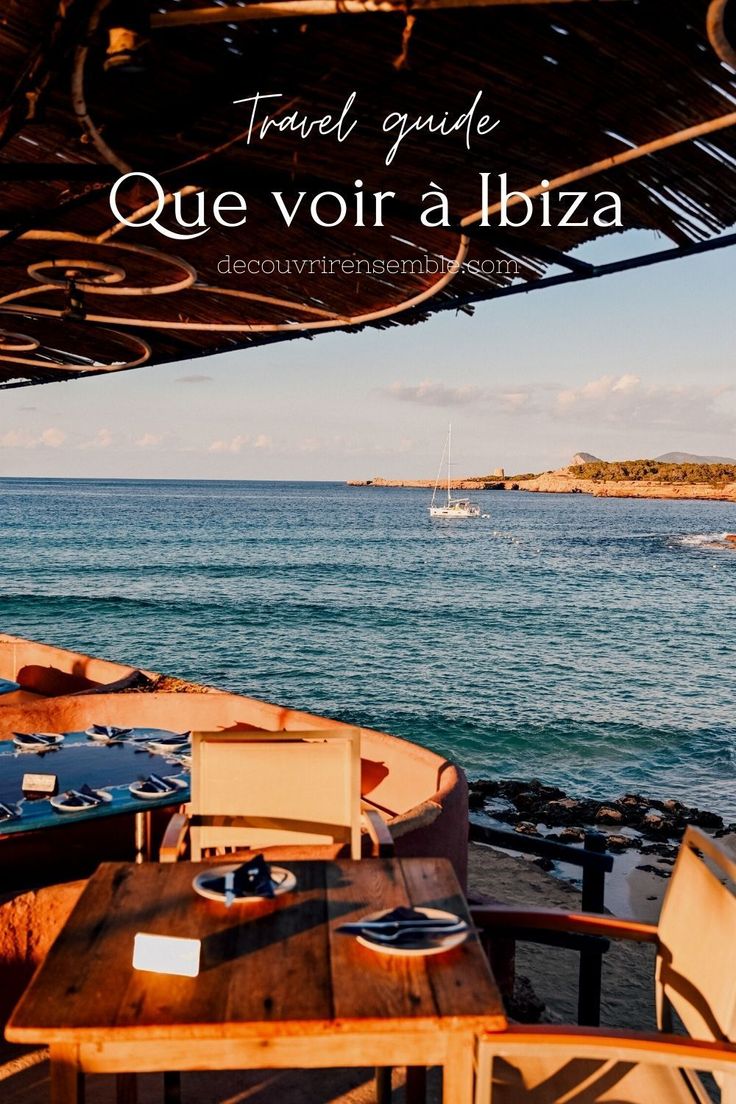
(621, 479)
(471, 484)
(571, 481)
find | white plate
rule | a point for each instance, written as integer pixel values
(61, 807)
(169, 745)
(439, 944)
(103, 738)
(55, 738)
(283, 882)
(144, 795)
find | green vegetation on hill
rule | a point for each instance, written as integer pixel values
(716, 475)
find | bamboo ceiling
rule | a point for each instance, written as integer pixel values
(650, 84)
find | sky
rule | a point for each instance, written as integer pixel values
(627, 366)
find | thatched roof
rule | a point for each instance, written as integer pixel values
(573, 83)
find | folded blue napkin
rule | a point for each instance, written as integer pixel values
(403, 915)
(253, 879)
(83, 797)
(154, 784)
(110, 731)
(35, 739)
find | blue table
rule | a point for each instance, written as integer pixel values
(80, 760)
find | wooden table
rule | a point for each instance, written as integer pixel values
(279, 987)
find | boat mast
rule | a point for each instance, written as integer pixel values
(449, 447)
(439, 475)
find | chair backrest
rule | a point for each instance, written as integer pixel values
(259, 789)
(696, 961)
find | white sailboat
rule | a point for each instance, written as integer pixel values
(453, 507)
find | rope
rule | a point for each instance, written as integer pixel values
(401, 62)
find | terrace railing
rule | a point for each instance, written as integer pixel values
(500, 942)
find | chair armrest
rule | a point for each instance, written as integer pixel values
(507, 917)
(378, 830)
(649, 1048)
(172, 843)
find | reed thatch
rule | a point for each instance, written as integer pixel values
(573, 83)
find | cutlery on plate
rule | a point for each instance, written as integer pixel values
(399, 927)
(86, 799)
(419, 936)
(159, 783)
(389, 925)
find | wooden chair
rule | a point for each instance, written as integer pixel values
(258, 790)
(254, 790)
(695, 982)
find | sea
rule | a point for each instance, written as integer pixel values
(587, 642)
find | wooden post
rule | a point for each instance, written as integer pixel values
(172, 1088)
(591, 962)
(383, 1085)
(67, 1083)
(457, 1073)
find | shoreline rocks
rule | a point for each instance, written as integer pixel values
(650, 825)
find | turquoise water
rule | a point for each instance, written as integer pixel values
(589, 642)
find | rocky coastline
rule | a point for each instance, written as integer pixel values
(428, 484)
(565, 481)
(630, 822)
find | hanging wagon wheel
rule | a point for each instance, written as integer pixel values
(68, 348)
(721, 25)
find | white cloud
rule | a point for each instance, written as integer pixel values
(626, 399)
(598, 390)
(149, 440)
(24, 439)
(512, 401)
(102, 439)
(242, 442)
(508, 399)
(235, 444)
(617, 400)
(18, 438)
(627, 382)
(53, 437)
(431, 393)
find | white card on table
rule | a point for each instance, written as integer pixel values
(166, 954)
(41, 784)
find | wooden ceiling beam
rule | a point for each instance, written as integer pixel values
(644, 260)
(285, 9)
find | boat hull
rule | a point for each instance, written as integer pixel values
(471, 511)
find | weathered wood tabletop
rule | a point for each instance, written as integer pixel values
(278, 985)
